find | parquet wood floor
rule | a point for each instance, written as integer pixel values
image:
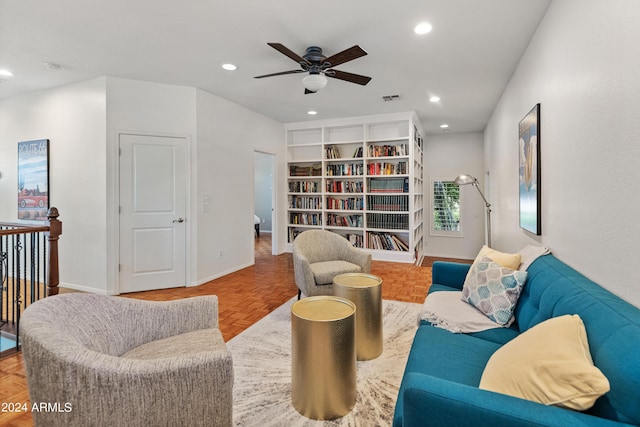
(244, 297)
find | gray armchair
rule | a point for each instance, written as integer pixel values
(112, 361)
(319, 256)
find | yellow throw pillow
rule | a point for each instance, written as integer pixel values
(511, 261)
(550, 364)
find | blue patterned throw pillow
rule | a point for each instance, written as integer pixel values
(493, 289)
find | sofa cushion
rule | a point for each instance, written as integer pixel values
(202, 340)
(549, 364)
(493, 289)
(459, 358)
(325, 271)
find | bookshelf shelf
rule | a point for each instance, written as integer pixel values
(361, 178)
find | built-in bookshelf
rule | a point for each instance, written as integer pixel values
(361, 178)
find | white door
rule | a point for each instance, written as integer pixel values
(153, 185)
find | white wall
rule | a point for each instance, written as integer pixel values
(582, 66)
(148, 108)
(83, 122)
(227, 136)
(73, 119)
(447, 156)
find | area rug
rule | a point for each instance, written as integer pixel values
(262, 369)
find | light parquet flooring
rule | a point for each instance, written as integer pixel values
(244, 297)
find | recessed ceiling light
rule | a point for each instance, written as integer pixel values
(423, 28)
(312, 112)
(434, 99)
(444, 126)
(229, 67)
(6, 73)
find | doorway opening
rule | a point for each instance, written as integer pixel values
(264, 203)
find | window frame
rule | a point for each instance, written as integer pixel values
(444, 233)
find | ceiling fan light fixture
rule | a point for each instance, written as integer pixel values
(314, 82)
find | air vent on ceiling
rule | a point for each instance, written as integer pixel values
(390, 97)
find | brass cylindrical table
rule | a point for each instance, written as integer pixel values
(365, 291)
(323, 357)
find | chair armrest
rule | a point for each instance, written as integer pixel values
(302, 272)
(445, 403)
(449, 273)
(359, 257)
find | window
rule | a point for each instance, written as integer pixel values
(445, 208)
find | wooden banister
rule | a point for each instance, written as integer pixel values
(55, 230)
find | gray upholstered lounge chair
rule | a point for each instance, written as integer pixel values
(112, 361)
(319, 256)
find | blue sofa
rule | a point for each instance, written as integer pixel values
(440, 383)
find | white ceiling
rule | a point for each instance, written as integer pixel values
(466, 60)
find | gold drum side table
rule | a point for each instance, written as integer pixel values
(365, 291)
(323, 357)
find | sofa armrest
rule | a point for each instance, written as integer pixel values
(449, 273)
(436, 402)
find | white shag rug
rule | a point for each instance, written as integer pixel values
(262, 369)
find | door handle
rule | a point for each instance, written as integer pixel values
(178, 220)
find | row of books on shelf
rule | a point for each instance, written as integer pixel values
(388, 221)
(305, 218)
(387, 168)
(346, 169)
(331, 152)
(344, 221)
(386, 241)
(305, 170)
(300, 202)
(344, 186)
(352, 203)
(394, 185)
(356, 240)
(304, 187)
(388, 203)
(387, 150)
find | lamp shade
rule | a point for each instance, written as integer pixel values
(314, 82)
(464, 179)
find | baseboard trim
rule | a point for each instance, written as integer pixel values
(218, 275)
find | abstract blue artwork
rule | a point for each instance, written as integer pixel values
(529, 171)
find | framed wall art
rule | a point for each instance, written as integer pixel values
(529, 171)
(33, 179)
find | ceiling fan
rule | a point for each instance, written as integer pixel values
(318, 66)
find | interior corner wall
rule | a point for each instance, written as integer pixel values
(582, 67)
(227, 135)
(73, 119)
(447, 156)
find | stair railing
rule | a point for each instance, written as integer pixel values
(28, 270)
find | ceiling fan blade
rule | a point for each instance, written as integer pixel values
(349, 77)
(282, 73)
(346, 55)
(288, 52)
(306, 91)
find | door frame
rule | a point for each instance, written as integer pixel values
(113, 207)
(274, 198)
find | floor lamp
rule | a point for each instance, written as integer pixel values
(468, 179)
